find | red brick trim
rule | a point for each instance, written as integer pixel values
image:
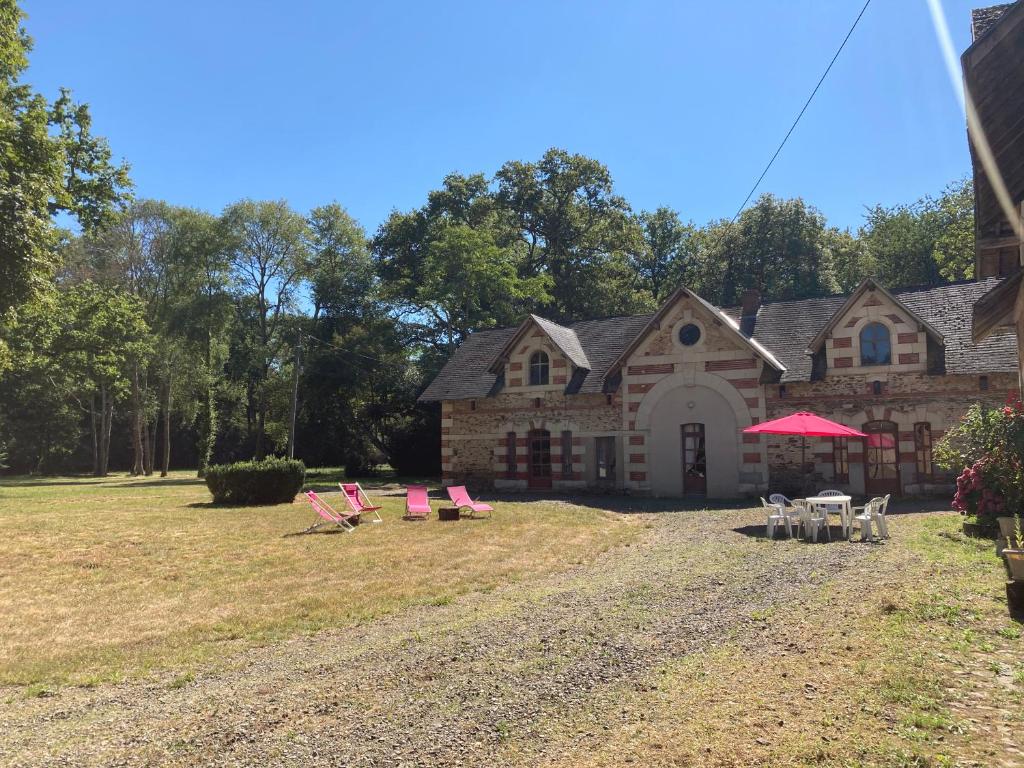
(643, 370)
(841, 342)
(853, 321)
(745, 383)
(633, 407)
(752, 402)
(906, 338)
(639, 389)
(751, 439)
(730, 365)
(515, 366)
(577, 441)
(843, 362)
(751, 458)
(906, 358)
(558, 362)
(515, 382)
(896, 319)
(636, 439)
(632, 425)
(637, 458)
(558, 380)
(638, 477)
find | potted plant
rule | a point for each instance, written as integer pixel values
(1014, 552)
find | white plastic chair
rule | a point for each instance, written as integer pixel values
(814, 519)
(837, 509)
(880, 510)
(791, 509)
(865, 516)
(776, 515)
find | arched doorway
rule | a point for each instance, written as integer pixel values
(539, 475)
(881, 458)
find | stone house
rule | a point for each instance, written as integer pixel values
(655, 404)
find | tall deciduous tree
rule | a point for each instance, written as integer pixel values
(574, 229)
(269, 260)
(43, 171)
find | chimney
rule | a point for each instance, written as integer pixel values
(750, 302)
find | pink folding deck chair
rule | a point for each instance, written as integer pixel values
(460, 498)
(359, 502)
(417, 505)
(328, 515)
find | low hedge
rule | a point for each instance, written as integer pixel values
(271, 481)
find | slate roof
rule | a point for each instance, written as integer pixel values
(982, 19)
(784, 328)
(566, 340)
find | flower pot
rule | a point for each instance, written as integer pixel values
(1015, 563)
(1015, 599)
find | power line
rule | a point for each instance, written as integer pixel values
(804, 109)
(346, 351)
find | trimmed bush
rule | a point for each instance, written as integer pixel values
(271, 481)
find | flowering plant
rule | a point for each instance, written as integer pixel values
(989, 444)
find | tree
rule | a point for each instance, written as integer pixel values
(667, 260)
(574, 229)
(267, 242)
(341, 268)
(927, 242)
(43, 171)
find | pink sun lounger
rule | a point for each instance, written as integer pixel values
(327, 515)
(417, 505)
(460, 498)
(359, 501)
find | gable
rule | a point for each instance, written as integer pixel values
(719, 334)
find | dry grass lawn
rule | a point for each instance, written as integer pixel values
(107, 579)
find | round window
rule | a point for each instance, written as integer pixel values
(689, 335)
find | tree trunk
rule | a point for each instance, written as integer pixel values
(103, 451)
(109, 416)
(149, 443)
(261, 424)
(137, 445)
(95, 430)
(165, 467)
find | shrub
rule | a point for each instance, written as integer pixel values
(988, 444)
(271, 481)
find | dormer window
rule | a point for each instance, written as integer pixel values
(538, 368)
(875, 346)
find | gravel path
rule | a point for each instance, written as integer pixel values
(480, 681)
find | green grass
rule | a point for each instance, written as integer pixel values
(113, 578)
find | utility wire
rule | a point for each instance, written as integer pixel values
(804, 109)
(346, 351)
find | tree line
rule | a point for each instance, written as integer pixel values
(150, 335)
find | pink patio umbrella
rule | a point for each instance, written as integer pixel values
(806, 425)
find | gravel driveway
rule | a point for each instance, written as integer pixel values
(481, 681)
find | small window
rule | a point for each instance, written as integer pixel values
(510, 454)
(923, 450)
(689, 335)
(983, 383)
(841, 459)
(538, 368)
(875, 348)
(566, 455)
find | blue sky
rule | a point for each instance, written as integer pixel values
(371, 104)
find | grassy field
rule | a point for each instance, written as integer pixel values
(108, 579)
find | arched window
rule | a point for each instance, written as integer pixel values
(539, 368)
(875, 348)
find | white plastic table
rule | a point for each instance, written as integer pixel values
(844, 508)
